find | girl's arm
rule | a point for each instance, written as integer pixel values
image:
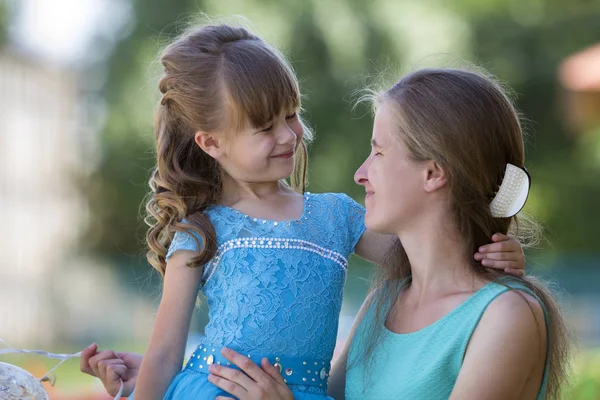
(374, 247)
(164, 357)
(506, 355)
(336, 385)
(503, 253)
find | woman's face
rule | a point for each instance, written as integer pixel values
(394, 183)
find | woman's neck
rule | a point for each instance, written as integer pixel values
(438, 258)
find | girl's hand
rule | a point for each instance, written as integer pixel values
(111, 368)
(252, 382)
(505, 253)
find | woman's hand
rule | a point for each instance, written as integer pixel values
(252, 382)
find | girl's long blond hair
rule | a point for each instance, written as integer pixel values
(216, 78)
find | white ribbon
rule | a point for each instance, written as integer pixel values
(513, 192)
(62, 357)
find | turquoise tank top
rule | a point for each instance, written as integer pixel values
(423, 364)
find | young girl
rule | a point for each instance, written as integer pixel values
(270, 258)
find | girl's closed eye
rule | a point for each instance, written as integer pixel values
(266, 130)
(291, 116)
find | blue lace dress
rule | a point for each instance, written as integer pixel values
(274, 290)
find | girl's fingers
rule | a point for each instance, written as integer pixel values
(272, 370)
(114, 374)
(503, 265)
(105, 365)
(245, 364)
(504, 246)
(502, 256)
(84, 361)
(499, 237)
(101, 356)
(516, 272)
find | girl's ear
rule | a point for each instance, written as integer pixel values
(210, 143)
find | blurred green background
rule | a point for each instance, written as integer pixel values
(78, 89)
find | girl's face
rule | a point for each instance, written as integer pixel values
(394, 183)
(265, 154)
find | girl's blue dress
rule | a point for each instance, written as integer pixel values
(274, 289)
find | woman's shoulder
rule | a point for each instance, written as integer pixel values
(513, 326)
(515, 295)
(519, 314)
(516, 304)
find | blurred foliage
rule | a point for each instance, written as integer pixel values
(338, 46)
(4, 14)
(585, 384)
